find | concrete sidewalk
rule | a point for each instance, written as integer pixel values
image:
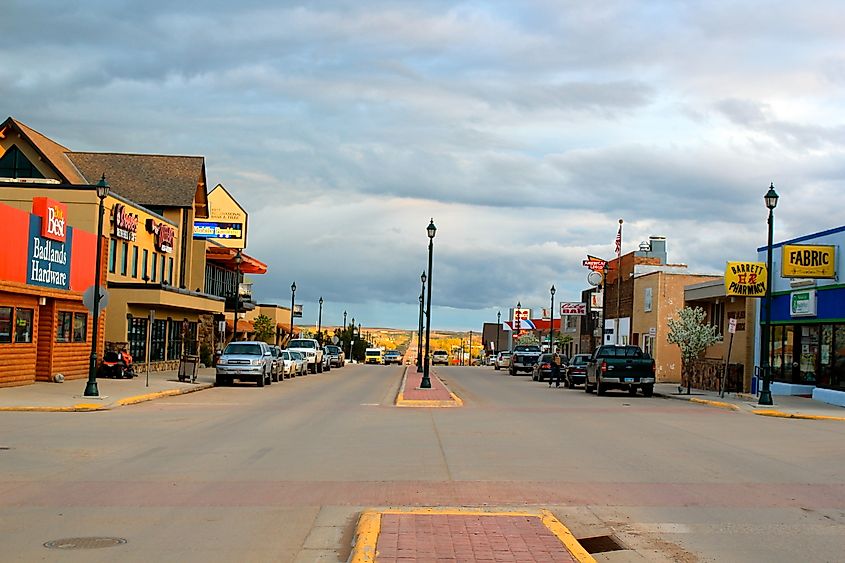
(784, 407)
(68, 396)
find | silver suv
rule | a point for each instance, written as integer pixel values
(245, 361)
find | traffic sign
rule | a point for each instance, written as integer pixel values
(335, 339)
(88, 299)
(732, 325)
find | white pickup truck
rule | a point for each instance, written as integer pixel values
(312, 351)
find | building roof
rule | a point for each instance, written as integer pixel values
(52, 152)
(150, 179)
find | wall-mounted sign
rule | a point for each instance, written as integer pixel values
(125, 223)
(227, 221)
(596, 299)
(593, 263)
(212, 229)
(53, 218)
(745, 279)
(164, 235)
(297, 311)
(573, 308)
(803, 303)
(48, 261)
(809, 261)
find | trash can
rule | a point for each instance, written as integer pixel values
(188, 368)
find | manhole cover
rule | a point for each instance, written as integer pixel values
(84, 543)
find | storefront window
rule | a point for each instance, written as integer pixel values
(112, 255)
(174, 339)
(161, 277)
(809, 354)
(837, 364)
(170, 271)
(80, 327)
(134, 261)
(155, 265)
(5, 324)
(23, 326)
(124, 259)
(137, 338)
(144, 261)
(65, 326)
(157, 340)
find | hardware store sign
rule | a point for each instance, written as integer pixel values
(809, 261)
(746, 279)
(48, 249)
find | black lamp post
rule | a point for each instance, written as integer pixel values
(498, 325)
(771, 199)
(426, 381)
(91, 387)
(470, 347)
(552, 323)
(292, 299)
(352, 337)
(238, 259)
(419, 332)
(320, 322)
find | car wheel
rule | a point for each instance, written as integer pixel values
(632, 390)
(648, 390)
(587, 387)
(261, 380)
(219, 381)
(600, 388)
(269, 378)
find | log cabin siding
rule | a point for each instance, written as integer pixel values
(71, 359)
(17, 361)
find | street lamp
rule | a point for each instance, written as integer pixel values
(238, 259)
(352, 338)
(552, 324)
(292, 298)
(771, 199)
(498, 325)
(419, 332)
(320, 321)
(91, 387)
(431, 230)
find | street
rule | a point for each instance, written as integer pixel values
(281, 473)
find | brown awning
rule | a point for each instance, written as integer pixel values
(243, 325)
(225, 257)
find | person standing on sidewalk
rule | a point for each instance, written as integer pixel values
(555, 370)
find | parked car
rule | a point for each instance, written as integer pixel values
(309, 348)
(327, 363)
(491, 360)
(440, 357)
(542, 370)
(373, 356)
(523, 358)
(289, 366)
(336, 355)
(503, 360)
(576, 370)
(620, 367)
(392, 357)
(278, 365)
(245, 361)
(300, 362)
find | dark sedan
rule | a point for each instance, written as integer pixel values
(543, 368)
(576, 371)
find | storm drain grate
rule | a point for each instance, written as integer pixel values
(84, 543)
(601, 544)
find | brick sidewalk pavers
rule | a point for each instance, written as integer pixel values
(412, 392)
(457, 538)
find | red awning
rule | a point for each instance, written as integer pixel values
(225, 257)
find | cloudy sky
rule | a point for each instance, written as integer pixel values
(525, 129)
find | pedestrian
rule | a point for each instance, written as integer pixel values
(555, 370)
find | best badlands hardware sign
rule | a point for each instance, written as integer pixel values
(50, 239)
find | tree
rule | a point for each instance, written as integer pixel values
(690, 333)
(527, 340)
(263, 328)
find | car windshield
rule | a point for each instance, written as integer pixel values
(546, 358)
(302, 344)
(241, 349)
(505, 354)
(392, 352)
(373, 352)
(332, 349)
(441, 354)
(296, 355)
(527, 348)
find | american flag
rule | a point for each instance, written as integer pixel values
(619, 241)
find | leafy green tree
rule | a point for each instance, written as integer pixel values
(264, 329)
(690, 333)
(528, 340)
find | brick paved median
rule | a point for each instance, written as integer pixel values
(412, 391)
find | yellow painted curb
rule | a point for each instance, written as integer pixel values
(718, 404)
(781, 414)
(148, 397)
(369, 526)
(82, 407)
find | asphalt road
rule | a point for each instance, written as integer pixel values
(280, 473)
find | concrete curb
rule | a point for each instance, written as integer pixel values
(369, 526)
(401, 401)
(94, 407)
(737, 408)
(717, 404)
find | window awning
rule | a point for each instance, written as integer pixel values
(225, 257)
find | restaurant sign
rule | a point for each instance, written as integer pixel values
(745, 279)
(164, 235)
(573, 308)
(809, 261)
(125, 223)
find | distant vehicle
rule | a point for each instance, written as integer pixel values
(300, 362)
(373, 356)
(576, 371)
(289, 366)
(523, 358)
(542, 369)
(278, 363)
(503, 359)
(620, 367)
(251, 360)
(392, 357)
(491, 360)
(336, 355)
(310, 348)
(440, 357)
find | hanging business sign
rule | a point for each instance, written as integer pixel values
(125, 223)
(297, 311)
(164, 235)
(802, 303)
(596, 300)
(573, 308)
(745, 279)
(593, 263)
(216, 230)
(808, 261)
(227, 222)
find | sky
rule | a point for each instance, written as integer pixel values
(525, 130)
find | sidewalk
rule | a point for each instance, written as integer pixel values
(68, 396)
(410, 394)
(784, 407)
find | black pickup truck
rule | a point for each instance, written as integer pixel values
(620, 367)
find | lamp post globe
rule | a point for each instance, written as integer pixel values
(91, 389)
(771, 199)
(431, 230)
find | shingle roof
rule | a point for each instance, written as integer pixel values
(53, 153)
(149, 179)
